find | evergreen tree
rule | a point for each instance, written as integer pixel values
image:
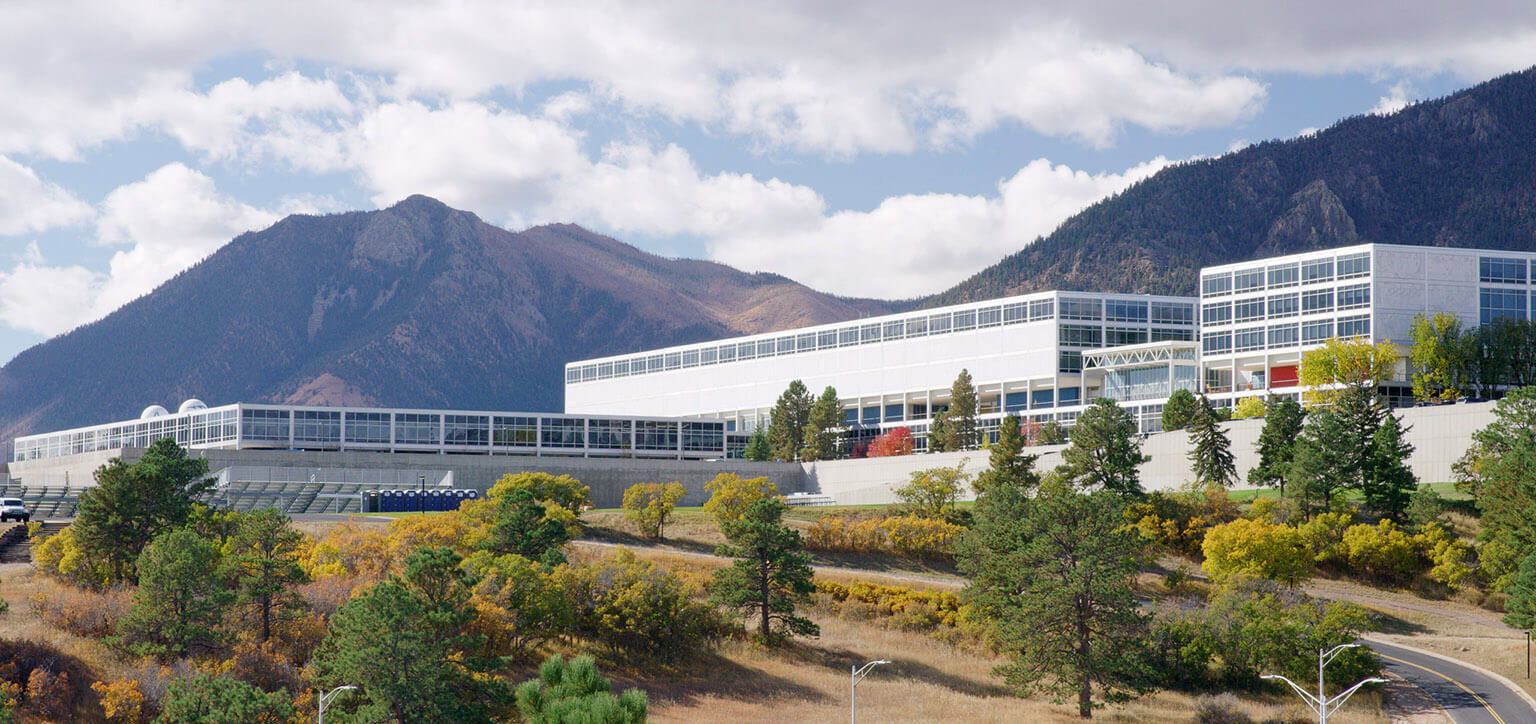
(1179, 410)
(1520, 609)
(758, 450)
(208, 699)
(772, 572)
(404, 642)
(179, 605)
(823, 427)
(1052, 578)
(573, 691)
(959, 429)
(939, 436)
(1210, 453)
(132, 504)
(1052, 433)
(786, 422)
(263, 558)
(1391, 483)
(1277, 443)
(1007, 463)
(1104, 453)
(522, 525)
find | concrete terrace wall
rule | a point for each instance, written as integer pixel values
(1440, 435)
(608, 477)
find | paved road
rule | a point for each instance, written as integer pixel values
(1468, 696)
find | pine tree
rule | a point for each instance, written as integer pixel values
(1391, 483)
(1052, 577)
(772, 572)
(786, 422)
(131, 504)
(1520, 609)
(1008, 465)
(758, 450)
(939, 436)
(1179, 410)
(1277, 443)
(960, 419)
(1319, 467)
(1210, 453)
(1104, 453)
(263, 556)
(180, 603)
(823, 427)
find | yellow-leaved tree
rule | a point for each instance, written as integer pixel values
(1341, 363)
(1246, 547)
(730, 494)
(648, 505)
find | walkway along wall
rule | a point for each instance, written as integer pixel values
(1440, 435)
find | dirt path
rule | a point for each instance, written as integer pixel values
(946, 582)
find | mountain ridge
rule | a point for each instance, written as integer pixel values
(416, 305)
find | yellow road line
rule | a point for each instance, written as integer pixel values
(1479, 699)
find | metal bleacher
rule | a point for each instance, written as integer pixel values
(44, 501)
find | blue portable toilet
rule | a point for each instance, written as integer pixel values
(434, 500)
(472, 494)
(458, 498)
(388, 501)
(408, 501)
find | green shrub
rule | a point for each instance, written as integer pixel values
(570, 692)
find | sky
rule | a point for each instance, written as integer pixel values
(886, 149)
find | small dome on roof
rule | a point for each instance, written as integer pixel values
(190, 404)
(153, 411)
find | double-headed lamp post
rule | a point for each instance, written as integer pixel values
(1320, 703)
(855, 675)
(329, 695)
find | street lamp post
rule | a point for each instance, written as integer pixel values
(855, 675)
(329, 696)
(421, 492)
(1320, 703)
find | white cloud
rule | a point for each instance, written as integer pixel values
(168, 221)
(919, 244)
(29, 205)
(1395, 100)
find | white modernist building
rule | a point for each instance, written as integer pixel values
(1025, 355)
(1045, 355)
(243, 426)
(1258, 317)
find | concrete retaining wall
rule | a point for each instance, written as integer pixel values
(1440, 435)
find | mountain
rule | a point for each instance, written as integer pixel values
(415, 305)
(1459, 171)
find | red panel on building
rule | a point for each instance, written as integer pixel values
(1282, 376)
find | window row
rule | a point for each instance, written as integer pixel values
(1500, 270)
(1495, 304)
(1279, 306)
(1139, 311)
(1280, 336)
(1317, 271)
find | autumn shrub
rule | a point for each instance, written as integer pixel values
(45, 682)
(1382, 551)
(632, 607)
(730, 494)
(1246, 547)
(648, 505)
(453, 529)
(891, 443)
(518, 604)
(910, 609)
(562, 490)
(261, 666)
(87, 613)
(60, 557)
(1179, 521)
(905, 535)
(348, 551)
(1449, 558)
(1324, 535)
(122, 701)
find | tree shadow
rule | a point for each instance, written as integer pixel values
(1388, 624)
(913, 670)
(610, 535)
(885, 563)
(713, 674)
